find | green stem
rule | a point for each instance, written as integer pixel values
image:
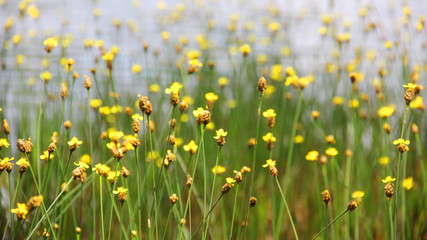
(234, 211)
(287, 209)
(102, 208)
(390, 214)
(324, 229)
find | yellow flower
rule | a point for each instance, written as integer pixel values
(154, 88)
(112, 175)
(357, 194)
(417, 103)
(353, 103)
(82, 165)
(276, 72)
(312, 156)
(95, 103)
(299, 139)
(21, 212)
(108, 57)
(274, 26)
(401, 141)
(45, 76)
(384, 161)
(33, 11)
(338, 100)
(120, 190)
(50, 43)
(74, 142)
(331, 152)
(4, 162)
(101, 169)
(269, 137)
(293, 79)
(408, 183)
(220, 133)
(174, 88)
(195, 63)
(46, 156)
(86, 159)
(245, 49)
(386, 111)
(137, 117)
(218, 170)
(388, 179)
(22, 161)
(230, 181)
(410, 86)
(136, 68)
(269, 163)
(105, 111)
(3, 142)
(223, 81)
(211, 97)
(192, 54)
(191, 147)
(269, 113)
(115, 135)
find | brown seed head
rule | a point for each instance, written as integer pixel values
(125, 172)
(262, 85)
(238, 177)
(351, 205)
(172, 140)
(252, 201)
(189, 181)
(64, 91)
(173, 199)
(414, 128)
(389, 190)
(6, 127)
(67, 124)
(326, 197)
(251, 142)
(87, 82)
(273, 171)
(79, 174)
(183, 106)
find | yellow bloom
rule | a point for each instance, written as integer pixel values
(276, 72)
(312, 156)
(174, 88)
(230, 181)
(386, 111)
(120, 190)
(112, 175)
(218, 170)
(137, 117)
(274, 26)
(388, 179)
(245, 49)
(5, 161)
(74, 142)
(21, 212)
(191, 147)
(223, 81)
(357, 194)
(299, 139)
(95, 103)
(108, 57)
(269, 113)
(33, 11)
(293, 79)
(211, 97)
(115, 135)
(46, 156)
(417, 103)
(82, 165)
(3, 142)
(101, 169)
(220, 133)
(269, 137)
(192, 54)
(408, 183)
(384, 161)
(269, 163)
(195, 63)
(154, 88)
(136, 68)
(410, 86)
(331, 152)
(22, 161)
(105, 111)
(45, 76)
(50, 43)
(86, 159)
(353, 103)
(401, 140)
(338, 100)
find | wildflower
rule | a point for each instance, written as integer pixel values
(338, 100)
(3, 142)
(410, 92)
(312, 156)
(384, 161)
(386, 111)
(173, 199)
(262, 85)
(25, 146)
(353, 103)
(220, 137)
(202, 116)
(34, 202)
(218, 170)
(122, 193)
(252, 201)
(101, 169)
(174, 91)
(271, 164)
(189, 181)
(115, 136)
(191, 147)
(358, 195)
(293, 79)
(226, 187)
(251, 142)
(245, 49)
(45, 76)
(74, 143)
(299, 139)
(87, 82)
(352, 205)
(23, 165)
(82, 165)
(46, 156)
(402, 144)
(153, 88)
(387, 127)
(136, 68)
(79, 174)
(408, 183)
(49, 44)
(418, 103)
(331, 152)
(326, 197)
(194, 65)
(238, 176)
(330, 139)
(67, 124)
(145, 105)
(271, 117)
(170, 157)
(112, 176)
(211, 98)
(315, 114)
(85, 158)
(388, 179)
(223, 81)
(21, 212)
(410, 86)
(5, 164)
(270, 140)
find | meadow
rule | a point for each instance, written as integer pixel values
(212, 119)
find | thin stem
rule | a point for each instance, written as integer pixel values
(390, 215)
(167, 222)
(234, 211)
(102, 209)
(207, 215)
(287, 209)
(324, 229)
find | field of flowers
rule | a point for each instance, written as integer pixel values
(213, 119)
